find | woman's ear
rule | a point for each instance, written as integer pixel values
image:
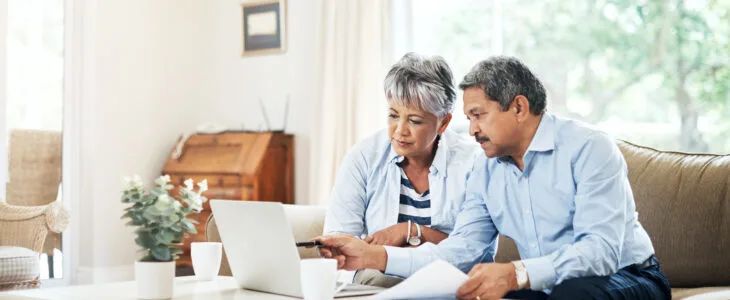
(444, 123)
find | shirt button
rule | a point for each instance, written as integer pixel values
(533, 246)
(527, 212)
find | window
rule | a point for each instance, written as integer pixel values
(34, 101)
(648, 71)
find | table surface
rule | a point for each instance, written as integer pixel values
(187, 287)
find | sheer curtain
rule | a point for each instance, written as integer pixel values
(355, 48)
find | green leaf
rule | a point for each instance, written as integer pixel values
(164, 237)
(188, 226)
(161, 254)
(147, 257)
(145, 240)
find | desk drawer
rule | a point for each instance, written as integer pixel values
(213, 180)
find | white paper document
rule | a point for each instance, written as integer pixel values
(438, 279)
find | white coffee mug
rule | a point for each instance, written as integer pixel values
(319, 277)
(206, 259)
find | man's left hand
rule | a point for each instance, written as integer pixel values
(392, 236)
(489, 281)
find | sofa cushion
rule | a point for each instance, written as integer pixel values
(683, 202)
(706, 293)
(18, 264)
(306, 222)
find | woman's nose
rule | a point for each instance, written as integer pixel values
(401, 129)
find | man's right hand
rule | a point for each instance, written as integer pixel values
(352, 253)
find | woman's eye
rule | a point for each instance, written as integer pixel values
(416, 122)
(392, 116)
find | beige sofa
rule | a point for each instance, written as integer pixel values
(683, 201)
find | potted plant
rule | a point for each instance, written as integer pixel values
(161, 222)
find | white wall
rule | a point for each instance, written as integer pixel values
(147, 75)
(240, 81)
(154, 69)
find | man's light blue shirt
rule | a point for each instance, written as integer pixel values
(571, 212)
(365, 198)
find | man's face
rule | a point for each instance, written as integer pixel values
(494, 129)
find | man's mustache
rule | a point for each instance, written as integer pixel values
(481, 139)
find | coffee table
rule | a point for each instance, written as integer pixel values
(187, 287)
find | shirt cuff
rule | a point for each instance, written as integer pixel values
(541, 273)
(399, 261)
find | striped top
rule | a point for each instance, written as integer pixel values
(413, 206)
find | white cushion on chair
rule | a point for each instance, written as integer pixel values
(18, 264)
(307, 222)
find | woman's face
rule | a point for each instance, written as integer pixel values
(412, 131)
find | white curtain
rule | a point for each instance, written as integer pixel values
(355, 52)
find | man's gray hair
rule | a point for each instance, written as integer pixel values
(422, 82)
(503, 78)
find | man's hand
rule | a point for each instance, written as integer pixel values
(489, 281)
(392, 236)
(352, 253)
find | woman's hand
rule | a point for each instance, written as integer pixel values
(392, 236)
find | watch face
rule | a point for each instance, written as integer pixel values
(414, 241)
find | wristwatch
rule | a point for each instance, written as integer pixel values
(414, 240)
(521, 274)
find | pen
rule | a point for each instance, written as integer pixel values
(309, 244)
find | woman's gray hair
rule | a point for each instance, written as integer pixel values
(422, 82)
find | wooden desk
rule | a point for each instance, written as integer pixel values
(238, 166)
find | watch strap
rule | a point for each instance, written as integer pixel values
(408, 236)
(521, 274)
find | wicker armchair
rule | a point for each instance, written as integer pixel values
(23, 231)
(34, 168)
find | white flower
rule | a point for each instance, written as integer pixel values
(189, 184)
(176, 205)
(137, 181)
(203, 186)
(162, 180)
(133, 182)
(196, 203)
(164, 199)
(127, 183)
(163, 202)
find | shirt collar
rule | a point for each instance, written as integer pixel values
(439, 161)
(544, 139)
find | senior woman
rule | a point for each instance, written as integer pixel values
(404, 186)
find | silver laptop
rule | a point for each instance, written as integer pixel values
(261, 249)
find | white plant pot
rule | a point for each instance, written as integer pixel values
(154, 279)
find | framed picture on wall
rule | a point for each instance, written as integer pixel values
(264, 27)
